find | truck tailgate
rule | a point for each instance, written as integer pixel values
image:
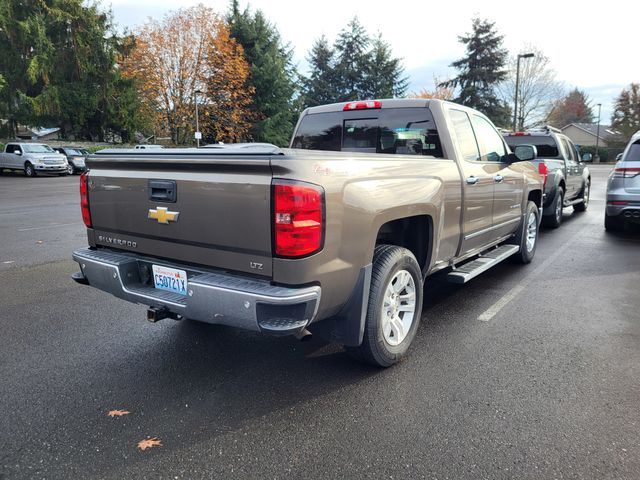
(209, 208)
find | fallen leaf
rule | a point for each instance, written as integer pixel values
(149, 443)
(118, 413)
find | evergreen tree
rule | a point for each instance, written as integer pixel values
(320, 86)
(353, 63)
(481, 70)
(57, 58)
(272, 74)
(626, 113)
(355, 68)
(384, 78)
(573, 108)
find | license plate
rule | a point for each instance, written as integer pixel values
(170, 279)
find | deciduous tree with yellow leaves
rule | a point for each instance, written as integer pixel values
(191, 51)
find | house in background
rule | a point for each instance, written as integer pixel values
(40, 134)
(585, 134)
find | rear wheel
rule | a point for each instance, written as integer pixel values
(582, 206)
(394, 307)
(555, 219)
(29, 171)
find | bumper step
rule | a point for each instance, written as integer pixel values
(472, 269)
(212, 297)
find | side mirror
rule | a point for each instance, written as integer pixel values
(618, 157)
(587, 157)
(525, 153)
(18, 152)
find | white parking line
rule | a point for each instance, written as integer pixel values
(494, 309)
(499, 305)
(47, 226)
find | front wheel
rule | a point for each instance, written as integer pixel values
(29, 170)
(394, 307)
(70, 169)
(527, 236)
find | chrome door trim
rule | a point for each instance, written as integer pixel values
(492, 227)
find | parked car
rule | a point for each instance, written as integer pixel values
(567, 178)
(623, 188)
(292, 241)
(32, 159)
(75, 159)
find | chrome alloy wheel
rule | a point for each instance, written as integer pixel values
(398, 307)
(559, 207)
(532, 231)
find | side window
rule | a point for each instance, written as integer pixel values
(12, 148)
(568, 152)
(574, 150)
(464, 135)
(492, 147)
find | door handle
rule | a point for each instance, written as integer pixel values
(472, 180)
(498, 178)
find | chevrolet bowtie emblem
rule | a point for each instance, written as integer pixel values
(163, 215)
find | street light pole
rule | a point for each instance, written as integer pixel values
(597, 155)
(197, 134)
(515, 105)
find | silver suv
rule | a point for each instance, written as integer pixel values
(623, 188)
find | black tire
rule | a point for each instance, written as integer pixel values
(29, 170)
(613, 224)
(71, 170)
(388, 261)
(526, 254)
(586, 192)
(555, 219)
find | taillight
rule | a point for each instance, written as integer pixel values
(84, 199)
(626, 172)
(544, 171)
(298, 211)
(362, 105)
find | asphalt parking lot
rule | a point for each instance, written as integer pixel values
(544, 385)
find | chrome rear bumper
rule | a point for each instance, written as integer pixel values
(213, 297)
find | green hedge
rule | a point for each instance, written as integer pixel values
(604, 153)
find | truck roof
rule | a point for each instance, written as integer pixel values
(384, 103)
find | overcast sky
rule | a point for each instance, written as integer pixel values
(591, 46)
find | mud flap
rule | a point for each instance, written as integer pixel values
(347, 327)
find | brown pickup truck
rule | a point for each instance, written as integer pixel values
(334, 236)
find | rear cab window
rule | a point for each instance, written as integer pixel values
(408, 131)
(545, 144)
